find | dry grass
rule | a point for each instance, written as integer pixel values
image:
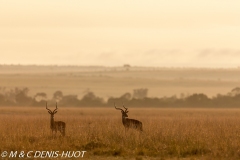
(168, 133)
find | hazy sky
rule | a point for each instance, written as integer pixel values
(170, 33)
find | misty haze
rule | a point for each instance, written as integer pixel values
(120, 80)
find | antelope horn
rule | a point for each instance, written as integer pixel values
(56, 107)
(125, 107)
(47, 108)
(117, 108)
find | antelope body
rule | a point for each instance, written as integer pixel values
(129, 123)
(56, 125)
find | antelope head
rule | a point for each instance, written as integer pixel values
(124, 113)
(52, 112)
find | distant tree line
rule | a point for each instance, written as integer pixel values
(139, 98)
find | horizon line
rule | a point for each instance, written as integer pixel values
(119, 66)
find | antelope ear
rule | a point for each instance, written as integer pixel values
(49, 112)
(55, 112)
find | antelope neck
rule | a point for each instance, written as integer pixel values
(52, 121)
(124, 119)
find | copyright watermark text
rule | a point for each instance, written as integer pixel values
(42, 154)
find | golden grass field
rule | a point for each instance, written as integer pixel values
(168, 133)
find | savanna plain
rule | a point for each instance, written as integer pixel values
(168, 133)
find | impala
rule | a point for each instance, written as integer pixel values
(56, 125)
(129, 123)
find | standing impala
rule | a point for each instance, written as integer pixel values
(129, 123)
(56, 125)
